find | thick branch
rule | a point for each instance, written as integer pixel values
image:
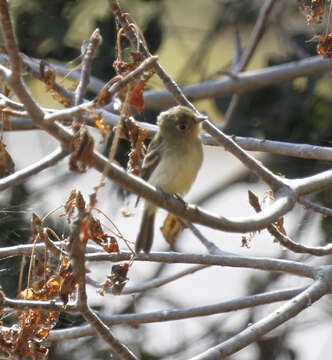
(254, 332)
(169, 315)
(304, 151)
(274, 181)
(312, 184)
(246, 81)
(243, 82)
(77, 248)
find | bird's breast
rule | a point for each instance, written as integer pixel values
(177, 169)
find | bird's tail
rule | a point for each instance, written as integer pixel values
(145, 236)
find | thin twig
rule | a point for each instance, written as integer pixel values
(235, 100)
(291, 244)
(315, 207)
(274, 181)
(299, 248)
(22, 175)
(255, 35)
(235, 97)
(160, 281)
(19, 250)
(209, 245)
(66, 114)
(240, 64)
(259, 263)
(304, 151)
(94, 42)
(34, 68)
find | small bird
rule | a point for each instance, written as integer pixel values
(171, 163)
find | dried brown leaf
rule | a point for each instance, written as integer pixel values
(7, 165)
(253, 201)
(82, 150)
(48, 74)
(172, 228)
(68, 286)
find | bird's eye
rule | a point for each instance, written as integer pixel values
(182, 126)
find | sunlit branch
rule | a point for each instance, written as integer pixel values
(231, 260)
(22, 175)
(168, 315)
(243, 82)
(276, 318)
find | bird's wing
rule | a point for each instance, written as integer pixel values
(152, 158)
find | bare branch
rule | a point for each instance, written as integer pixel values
(240, 64)
(77, 246)
(255, 35)
(246, 81)
(5, 73)
(19, 250)
(243, 82)
(10, 40)
(94, 42)
(313, 184)
(274, 181)
(168, 315)
(287, 241)
(276, 318)
(315, 207)
(230, 111)
(22, 175)
(160, 281)
(209, 245)
(299, 248)
(226, 259)
(304, 151)
(104, 331)
(260, 263)
(66, 114)
(19, 304)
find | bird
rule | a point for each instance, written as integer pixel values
(172, 161)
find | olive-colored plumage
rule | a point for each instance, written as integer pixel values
(172, 161)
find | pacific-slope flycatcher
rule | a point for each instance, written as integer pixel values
(171, 163)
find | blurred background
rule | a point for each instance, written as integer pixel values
(195, 42)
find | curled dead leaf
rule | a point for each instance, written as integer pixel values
(172, 228)
(82, 150)
(7, 165)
